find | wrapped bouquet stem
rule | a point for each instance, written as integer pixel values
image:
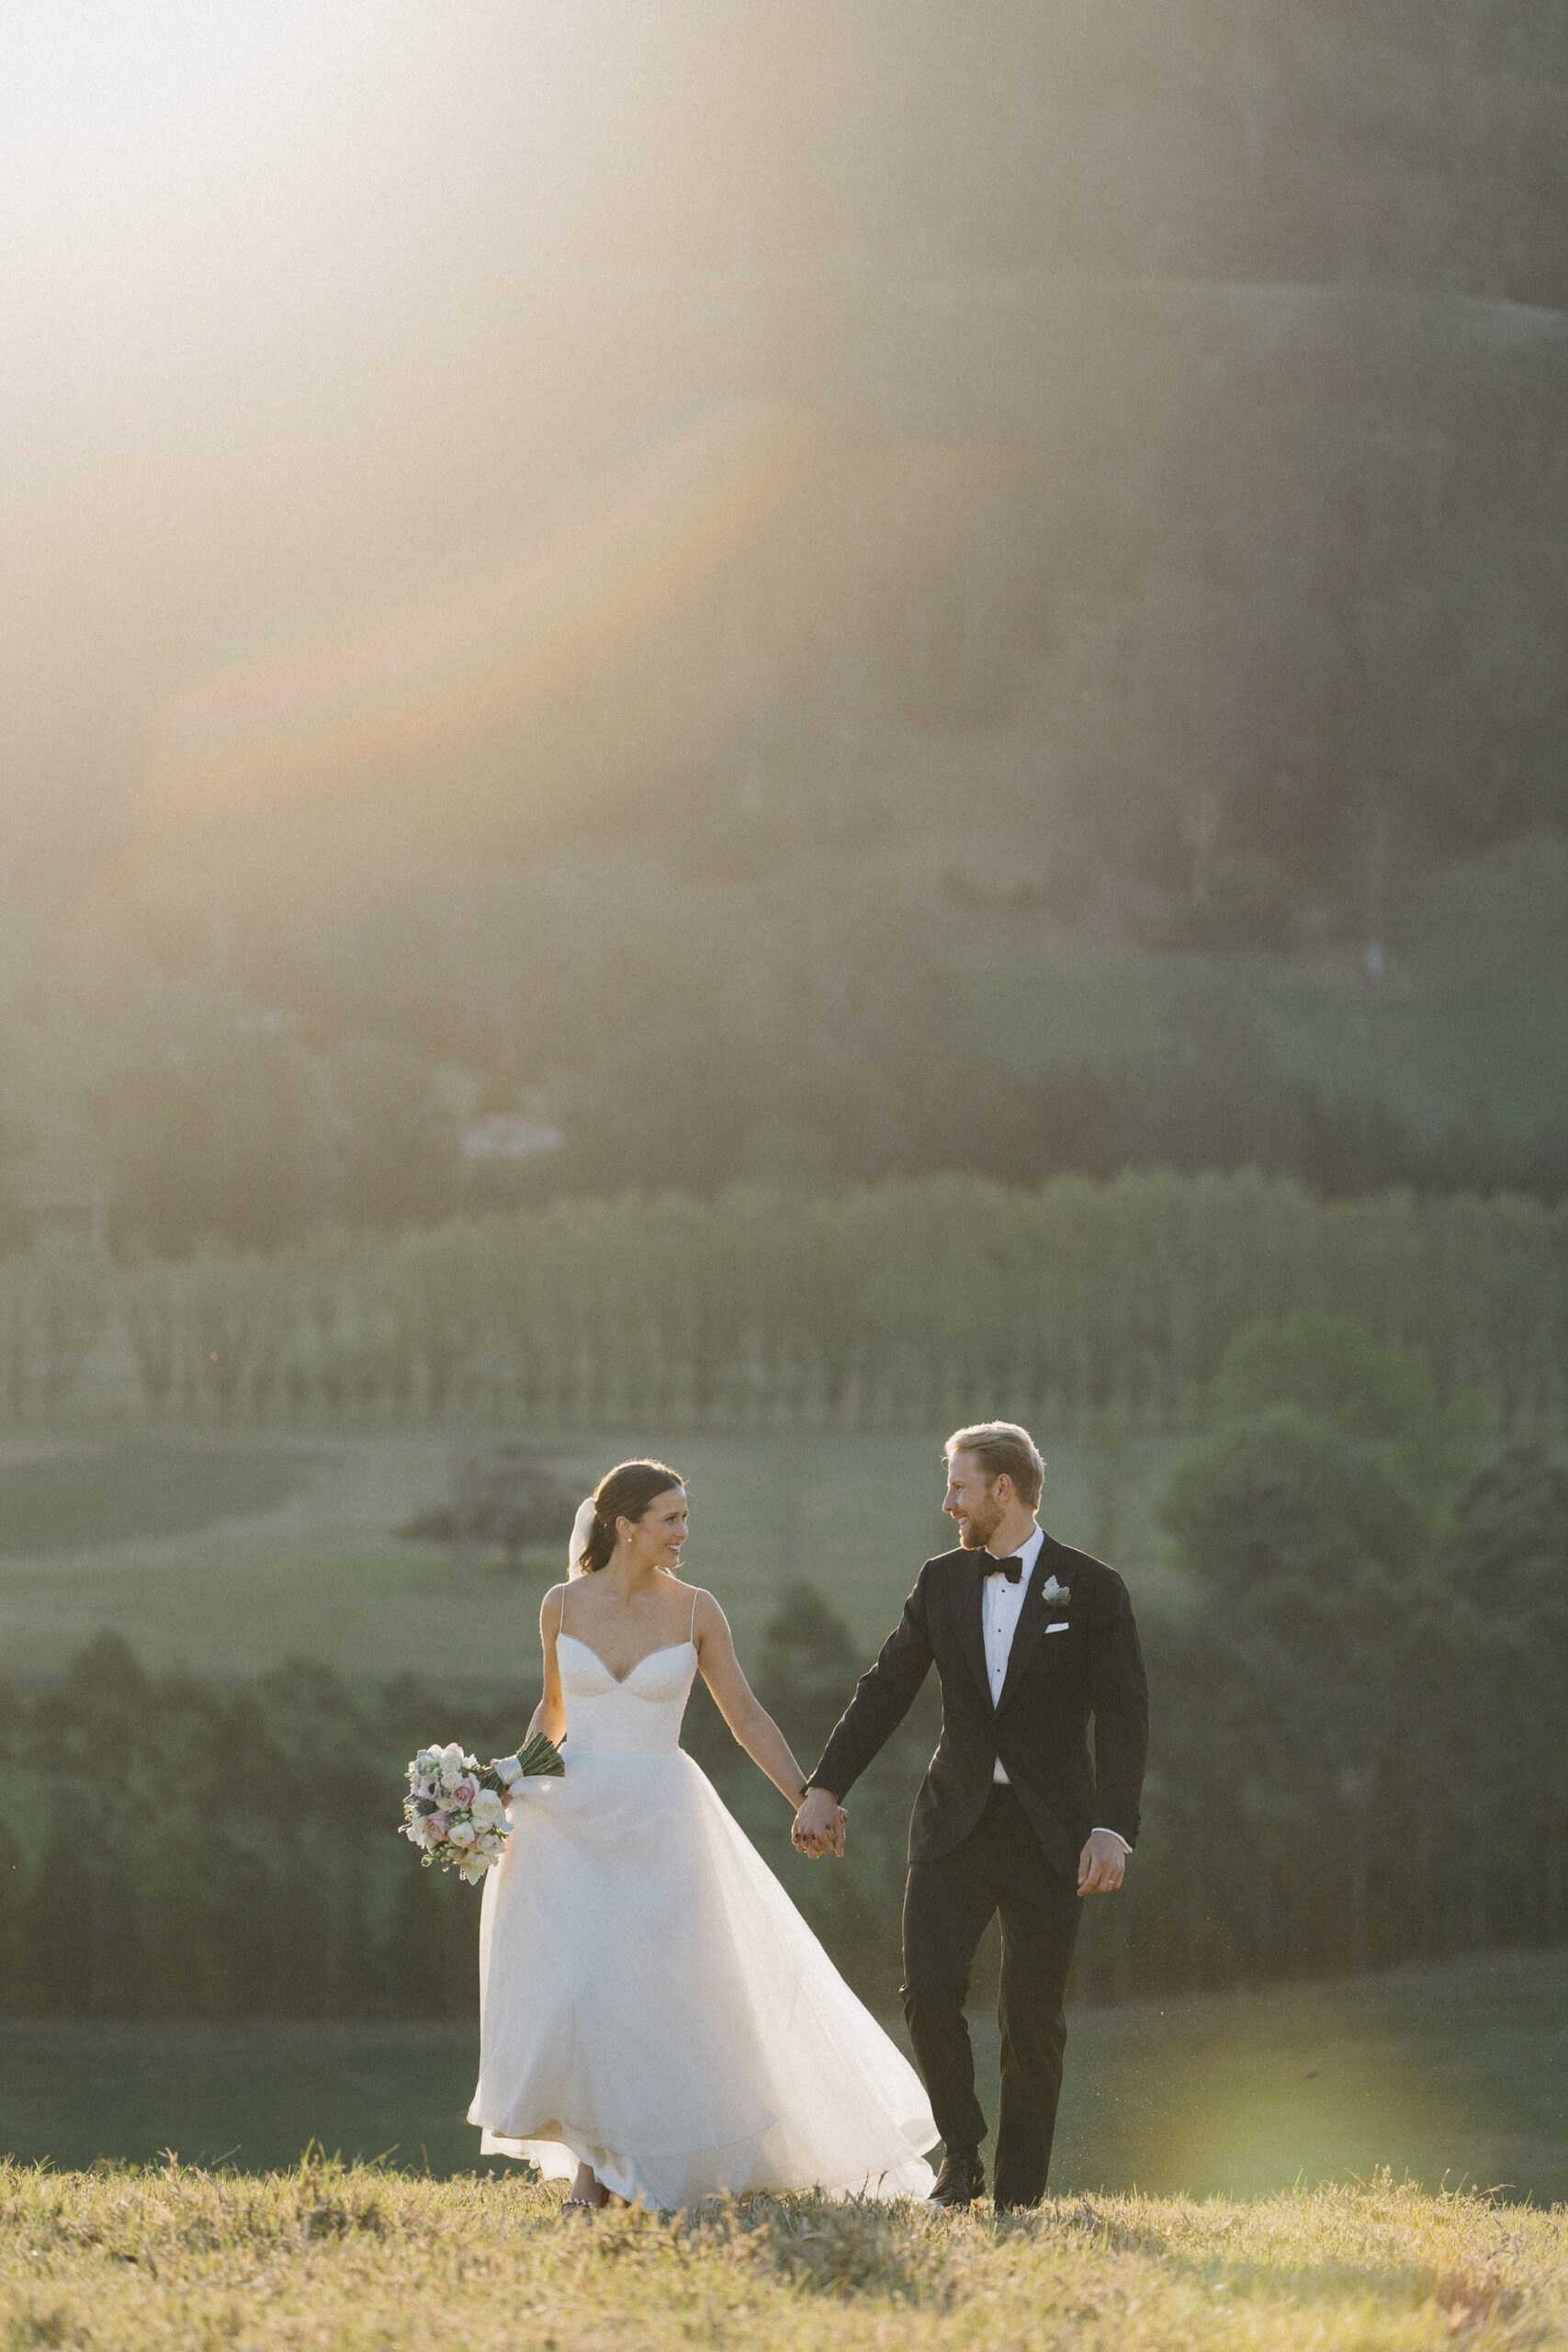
(456, 1808)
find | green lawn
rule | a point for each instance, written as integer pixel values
(198, 1571)
(1456, 2071)
(1471, 1011)
(83, 1495)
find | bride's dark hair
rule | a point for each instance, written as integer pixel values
(624, 1492)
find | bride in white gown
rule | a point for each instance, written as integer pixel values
(658, 2019)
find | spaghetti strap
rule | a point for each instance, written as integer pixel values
(692, 1635)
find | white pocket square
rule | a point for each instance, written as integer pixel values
(1062, 1628)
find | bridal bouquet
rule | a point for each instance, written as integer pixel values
(454, 1811)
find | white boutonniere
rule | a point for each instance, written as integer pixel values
(1052, 1590)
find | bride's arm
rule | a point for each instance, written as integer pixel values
(749, 1721)
(549, 1716)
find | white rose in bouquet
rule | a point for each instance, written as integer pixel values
(456, 1808)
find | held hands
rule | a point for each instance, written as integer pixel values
(1101, 1865)
(820, 1825)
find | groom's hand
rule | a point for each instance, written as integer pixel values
(820, 1824)
(1102, 1864)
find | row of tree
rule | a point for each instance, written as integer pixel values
(255, 1140)
(1359, 1758)
(897, 1306)
(1358, 1728)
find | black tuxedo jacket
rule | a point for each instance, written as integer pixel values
(1039, 1727)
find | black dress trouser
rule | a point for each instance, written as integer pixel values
(948, 1904)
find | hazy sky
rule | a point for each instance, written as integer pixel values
(299, 293)
(266, 316)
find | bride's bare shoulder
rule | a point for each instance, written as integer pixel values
(550, 1609)
(703, 1605)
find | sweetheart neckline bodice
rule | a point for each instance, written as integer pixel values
(620, 1680)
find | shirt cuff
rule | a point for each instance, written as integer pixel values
(1117, 1835)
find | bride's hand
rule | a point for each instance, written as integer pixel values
(818, 1824)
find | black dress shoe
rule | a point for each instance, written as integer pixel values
(961, 2179)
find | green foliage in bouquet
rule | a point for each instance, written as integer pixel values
(456, 1808)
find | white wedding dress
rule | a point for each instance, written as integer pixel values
(652, 2003)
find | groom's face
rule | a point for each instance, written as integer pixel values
(973, 1502)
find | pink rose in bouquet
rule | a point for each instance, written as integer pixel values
(456, 1808)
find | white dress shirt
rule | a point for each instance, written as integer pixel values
(1001, 1604)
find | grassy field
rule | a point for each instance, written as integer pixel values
(370, 2261)
(1469, 1014)
(228, 1556)
(1455, 2075)
(71, 1499)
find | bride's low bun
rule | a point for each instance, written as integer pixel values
(624, 1492)
(596, 1552)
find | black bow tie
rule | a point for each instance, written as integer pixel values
(1012, 1569)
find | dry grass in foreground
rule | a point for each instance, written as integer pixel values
(360, 2259)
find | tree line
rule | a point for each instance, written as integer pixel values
(1358, 1734)
(1359, 1759)
(896, 1306)
(253, 1141)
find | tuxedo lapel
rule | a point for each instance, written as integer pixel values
(966, 1588)
(1031, 1627)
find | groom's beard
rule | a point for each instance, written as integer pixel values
(977, 1533)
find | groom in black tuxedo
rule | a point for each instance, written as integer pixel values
(1029, 1640)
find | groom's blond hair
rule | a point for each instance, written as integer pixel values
(1003, 1450)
